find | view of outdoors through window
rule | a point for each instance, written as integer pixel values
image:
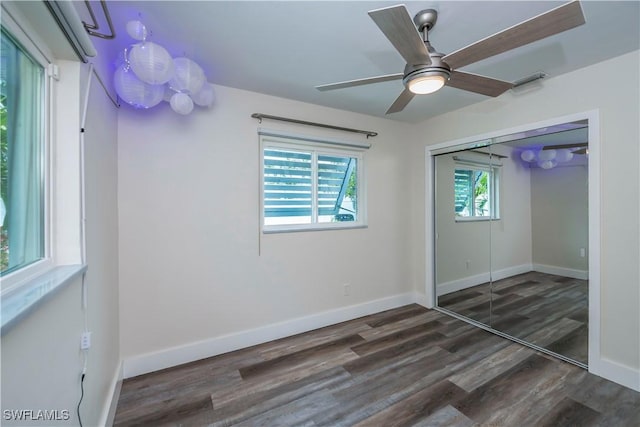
(21, 157)
(473, 193)
(4, 173)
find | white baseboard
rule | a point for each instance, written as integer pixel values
(150, 362)
(616, 372)
(478, 279)
(562, 271)
(109, 409)
(421, 299)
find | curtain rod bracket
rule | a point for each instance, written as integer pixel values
(261, 116)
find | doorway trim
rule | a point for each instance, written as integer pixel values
(596, 364)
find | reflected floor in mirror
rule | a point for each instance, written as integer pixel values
(549, 311)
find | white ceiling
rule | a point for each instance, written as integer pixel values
(286, 48)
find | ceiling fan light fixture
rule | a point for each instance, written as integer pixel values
(423, 85)
(429, 81)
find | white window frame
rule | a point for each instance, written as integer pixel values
(494, 191)
(316, 147)
(16, 278)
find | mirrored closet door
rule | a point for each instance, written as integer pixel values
(511, 227)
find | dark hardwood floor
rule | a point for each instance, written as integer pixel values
(404, 367)
(549, 311)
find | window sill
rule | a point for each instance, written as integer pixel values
(474, 219)
(296, 229)
(18, 303)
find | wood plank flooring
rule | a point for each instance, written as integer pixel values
(543, 309)
(404, 367)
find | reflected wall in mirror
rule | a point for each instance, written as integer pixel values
(511, 223)
(461, 237)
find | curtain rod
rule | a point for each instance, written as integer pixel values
(261, 116)
(500, 156)
(475, 162)
(92, 28)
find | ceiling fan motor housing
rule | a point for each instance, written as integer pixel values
(437, 68)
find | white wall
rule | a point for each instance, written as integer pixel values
(560, 217)
(618, 101)
(462, 248)
(41, 360)
(193, 266)
(101, 154)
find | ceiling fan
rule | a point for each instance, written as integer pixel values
(582, 147)
(428, 70)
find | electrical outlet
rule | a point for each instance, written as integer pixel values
(583, 252)
(85, 341)
(468, 263)
(347, 289)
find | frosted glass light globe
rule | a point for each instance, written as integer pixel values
(547, 164)
(134, 91)
(545, 155)
(528, 155)
(168, 93)
(205, 96)
(188, 78)
(423, 85)
(136, 30)
(564, 155)
(151, 63)
(181, 103)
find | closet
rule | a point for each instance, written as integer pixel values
(511, 236)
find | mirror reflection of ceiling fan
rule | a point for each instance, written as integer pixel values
(582, 147)
(552, 155)
(427, 70)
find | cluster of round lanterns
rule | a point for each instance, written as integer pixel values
(547, 159)
(149, 75)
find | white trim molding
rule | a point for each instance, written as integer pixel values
(616, 372)
(108, 414)
(562, 271)
(595, 206)
(150, 362)
(478, 279)
(421, 299)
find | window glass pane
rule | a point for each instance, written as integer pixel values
(21, 158)
(287, 187)
(481, 193)
(463, 188)
(337, 188)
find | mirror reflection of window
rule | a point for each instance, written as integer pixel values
(475, 191)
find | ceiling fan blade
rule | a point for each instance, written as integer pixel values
(399, 28)
(478, 84)
(360, 82)
(555, 21)
(398, 105)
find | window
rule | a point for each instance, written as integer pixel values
(310, 186)
(22, 158)
(475, 190)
